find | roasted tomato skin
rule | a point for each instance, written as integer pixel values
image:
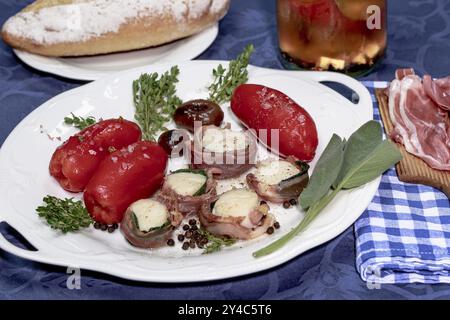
(260, 107)
(75, 161)
(125, 176)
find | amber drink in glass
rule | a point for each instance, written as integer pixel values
(347, 36)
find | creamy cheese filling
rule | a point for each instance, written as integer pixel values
(224, 140)
(150, 214)
(273, 172)
(237, 203)
(186, 183)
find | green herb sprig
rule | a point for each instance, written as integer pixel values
(66, 215)
(343, 165)
(155, 100)
(226, 80)
(215, 244)
(79, 122)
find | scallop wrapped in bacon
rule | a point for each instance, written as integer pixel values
(186, 190)
(237, 214)
(149, 224)
(279, 180)
(225, 152)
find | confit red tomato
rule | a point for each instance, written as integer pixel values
(326, 14)
(260, 107)
(125, 176)
(75, 161)
(317, 12)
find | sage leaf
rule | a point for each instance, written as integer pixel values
(381, 159)
(359, 146)
(325, 173)
(366, 156)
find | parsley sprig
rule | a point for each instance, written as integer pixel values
(79, 122)
(67, 215)
(155, 100)
(226, 80)
(215, 244)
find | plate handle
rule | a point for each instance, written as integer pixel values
(364, 94)
(11, 248)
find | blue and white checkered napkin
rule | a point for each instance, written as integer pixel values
(404, 235)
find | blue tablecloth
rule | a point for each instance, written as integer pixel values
(419, 37)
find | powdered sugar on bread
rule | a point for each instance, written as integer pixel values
(85, 19)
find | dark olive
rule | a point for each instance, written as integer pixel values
(169, 139)
(204, 111)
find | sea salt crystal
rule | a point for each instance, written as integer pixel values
(114, 159)
(92, 152)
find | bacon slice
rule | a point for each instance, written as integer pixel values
(149, 240)
(188, 204)
(419, 123)
(223, 165)
(250, 225)
(283, 191)
(438, 91)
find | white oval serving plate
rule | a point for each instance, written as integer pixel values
(96, 67)
(24, 179)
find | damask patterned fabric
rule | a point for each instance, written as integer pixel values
(419, 37)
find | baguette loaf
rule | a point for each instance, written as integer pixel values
(91, 27)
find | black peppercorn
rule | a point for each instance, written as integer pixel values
(185, 246)
(194, 227)
(170, 242)
(188, 234)
(270, 230)
(104, 227)
(192, 245)
(111, 229)
(97, 225)
(293, 202)
(192, 222)
(186, 227)
(286, 204)
(276, 225)
(180, 238)
(115, 226)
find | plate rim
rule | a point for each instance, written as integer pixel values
(56, 66)
(264, 264)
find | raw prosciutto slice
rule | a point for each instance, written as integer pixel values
(438, 90)
(401, 73)
(419, 123)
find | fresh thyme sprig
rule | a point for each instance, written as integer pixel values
(67, 215)
(79, 122)
(155, 100)
(215, 243)
(226, 80)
